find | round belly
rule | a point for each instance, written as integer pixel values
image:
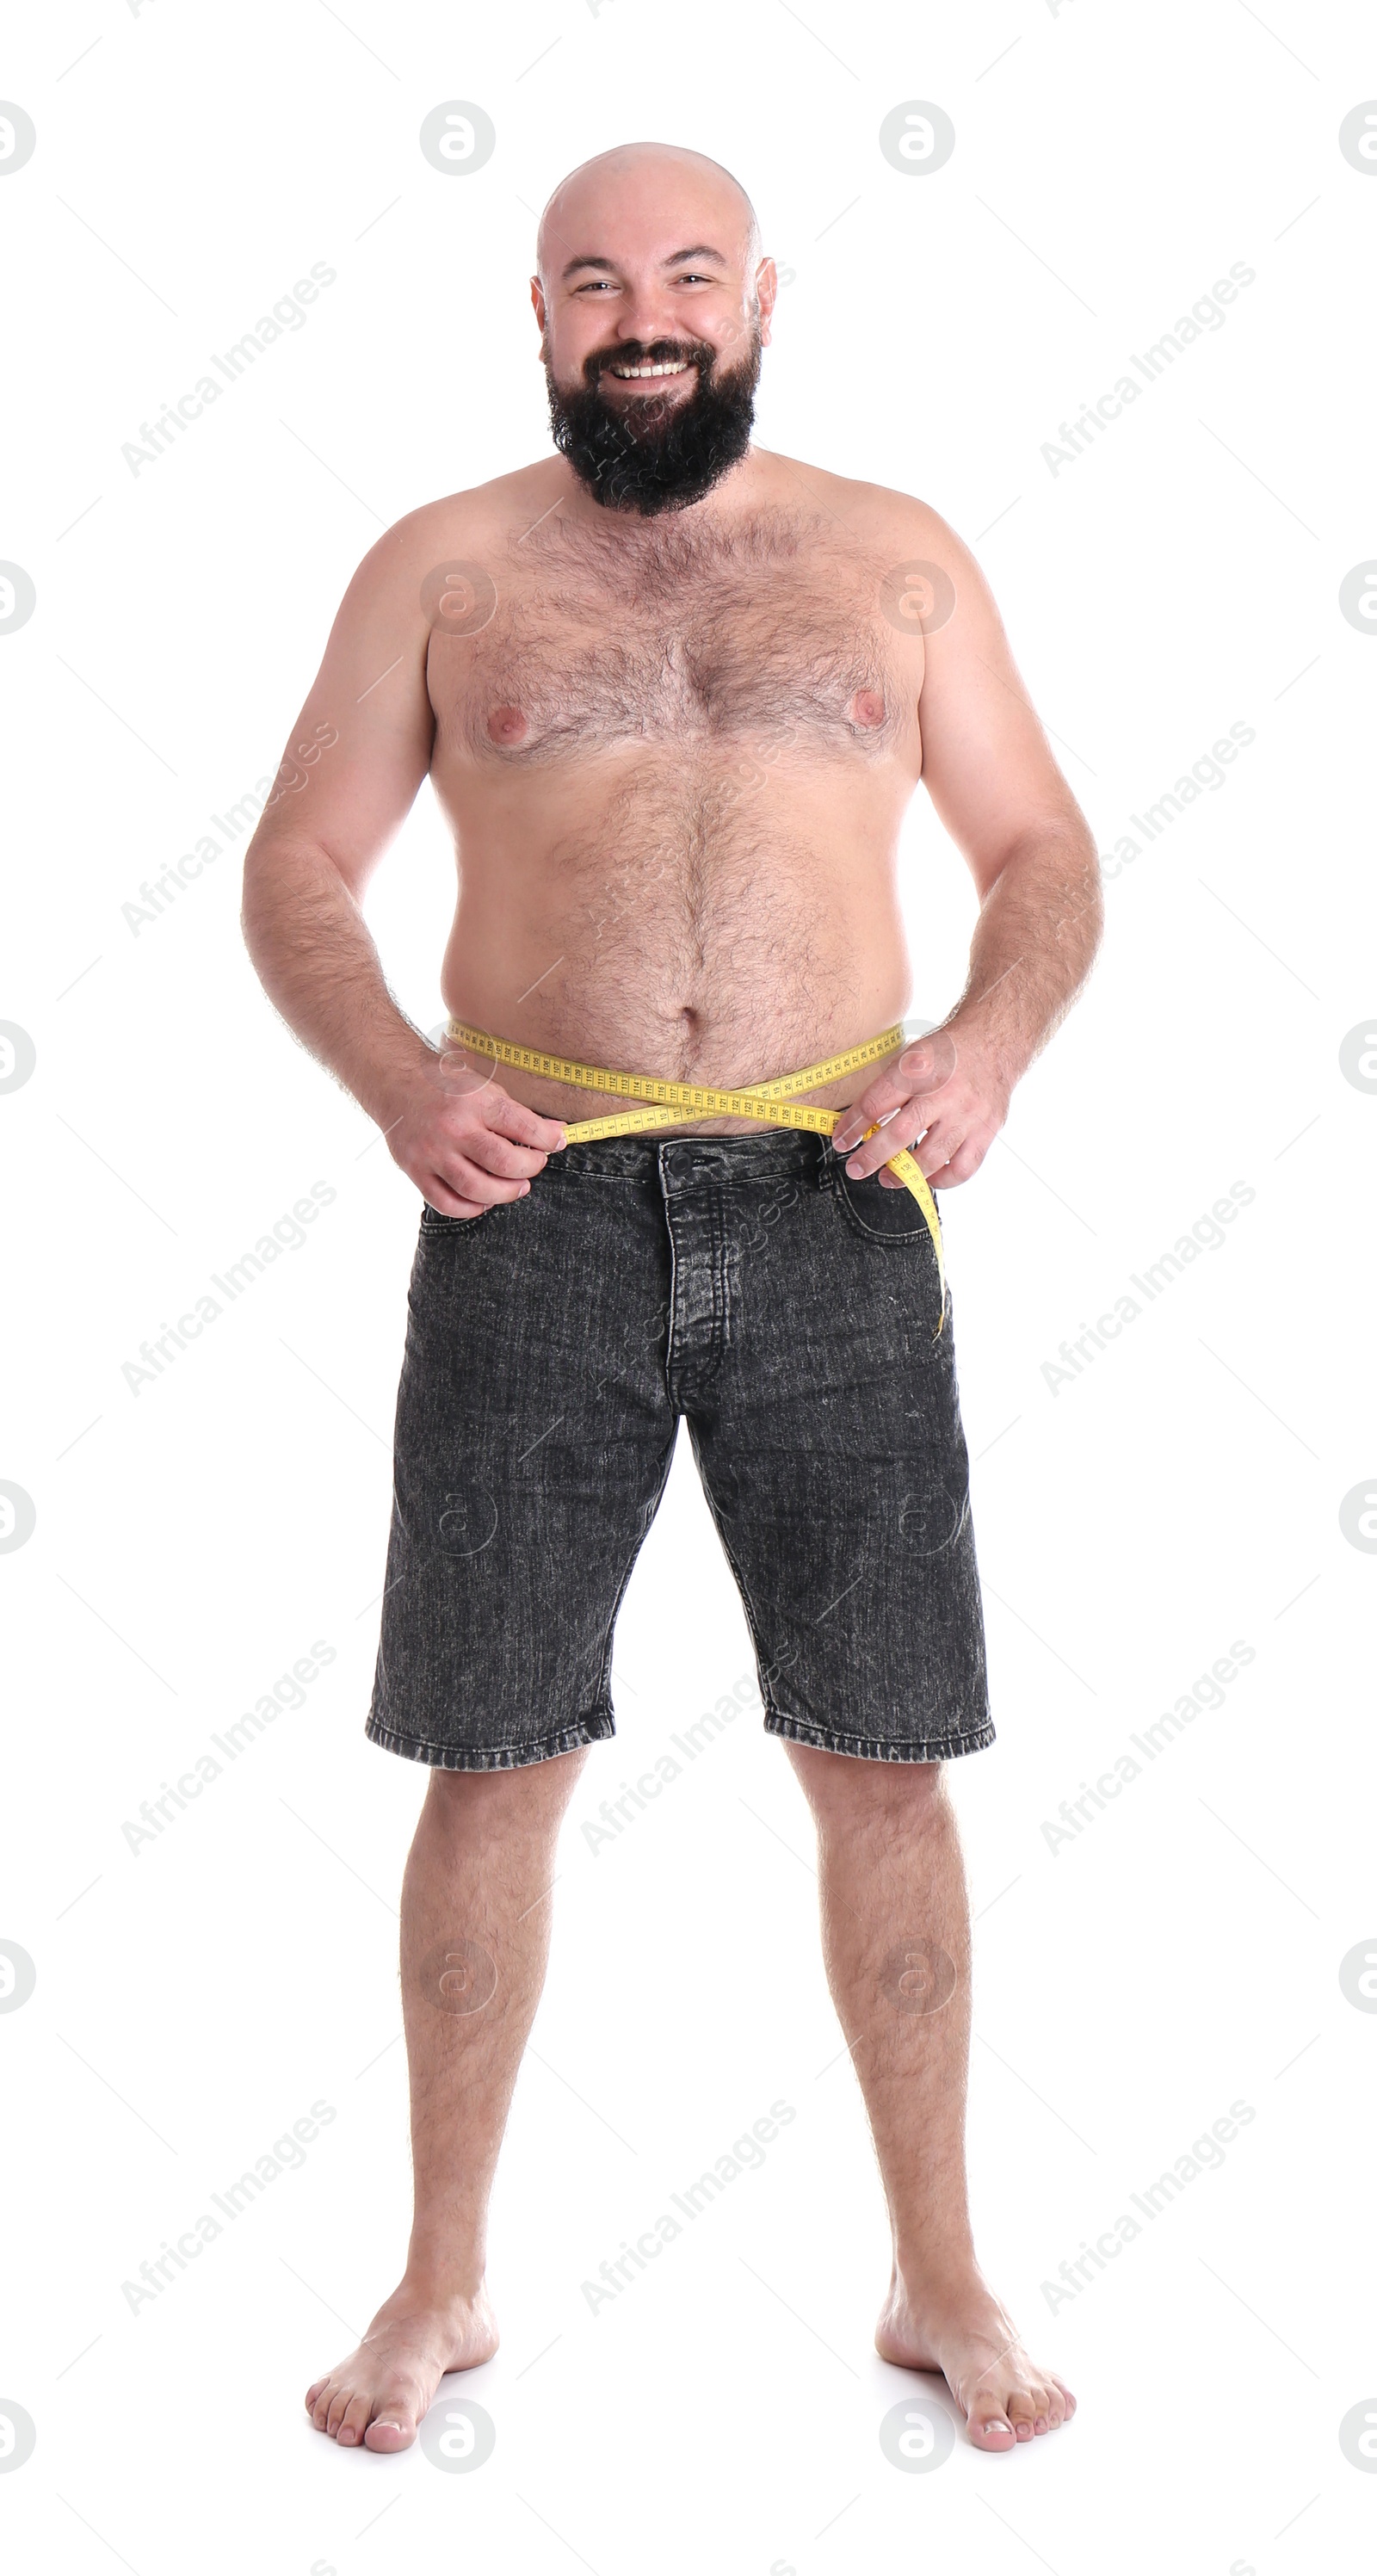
(719, 924)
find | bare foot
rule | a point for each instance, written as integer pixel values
(380, 2393)
(957, 2326)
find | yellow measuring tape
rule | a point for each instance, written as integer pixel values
(774, 1101)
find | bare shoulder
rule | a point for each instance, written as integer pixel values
(897, 525)
(467, 527)
(485, 515)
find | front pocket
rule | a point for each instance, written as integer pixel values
(882, 1215)
(890, 1225)
(434, 1223)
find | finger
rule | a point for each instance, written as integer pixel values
(880, 1101)
(445, 1201)
(902, 1128)
(490, 1151)
(922, 1069)
(939, 1150)
(508, 1117)
(963, 1165)
(468, 1179)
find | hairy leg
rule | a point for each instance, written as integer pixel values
(897, 1946)
(475, 1938)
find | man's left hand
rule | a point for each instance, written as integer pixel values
(943, 1089)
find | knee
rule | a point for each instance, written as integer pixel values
(520, 1791)
(842, 1789)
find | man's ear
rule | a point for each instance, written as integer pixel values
(538, 300)
(766, 290)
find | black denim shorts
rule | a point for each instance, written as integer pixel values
(789, 1314)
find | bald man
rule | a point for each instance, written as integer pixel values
(674, 694)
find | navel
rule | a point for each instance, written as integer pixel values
(868, 707)
(506, 724)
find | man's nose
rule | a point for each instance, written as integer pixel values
(643, 317)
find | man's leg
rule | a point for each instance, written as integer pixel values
(894, 1912)
(475, 1912)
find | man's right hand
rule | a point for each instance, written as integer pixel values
(463, 1140)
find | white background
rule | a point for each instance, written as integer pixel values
(194, 1538)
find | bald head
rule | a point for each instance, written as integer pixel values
(645, 183)
(654, 305)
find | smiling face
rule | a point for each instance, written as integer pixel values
(654, 306)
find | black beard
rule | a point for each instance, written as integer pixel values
(655, 455)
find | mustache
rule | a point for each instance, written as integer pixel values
(651, 353)
(655, 452)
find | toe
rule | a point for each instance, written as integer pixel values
(353, 2423)
(337, 2409)
(990, 2430)
(392, 2429)
(320, 2403)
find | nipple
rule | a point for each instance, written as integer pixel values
(869, 707)
(506, 724)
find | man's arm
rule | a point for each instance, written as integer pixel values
(989, 770)
(358, 753)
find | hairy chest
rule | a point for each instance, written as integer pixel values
(767, 643)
